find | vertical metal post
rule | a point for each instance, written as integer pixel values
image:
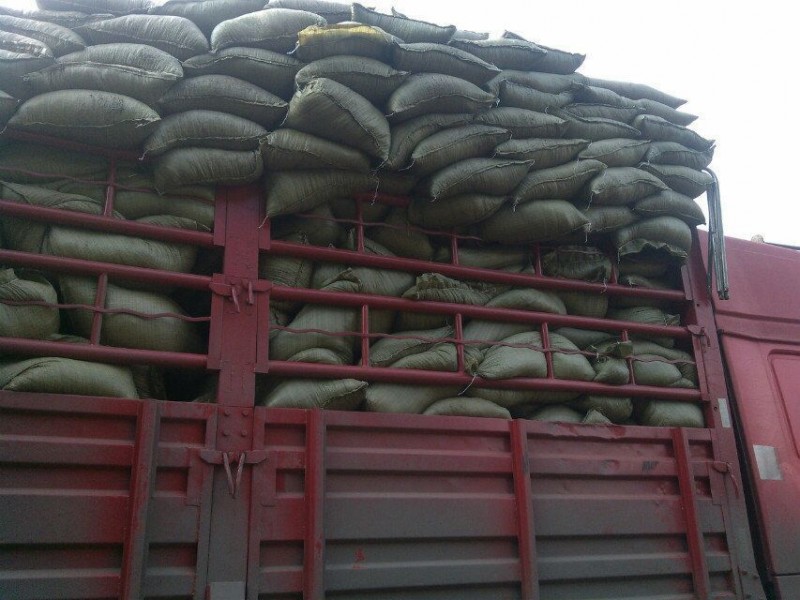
(235, 333)
(233, 350)
(548, 352)
(459, 331)
(365, 335)
(314, 550)
(628, 359)
(99, 303)
(102, 280)
(529, 572)
(694, 532)
(134, 553)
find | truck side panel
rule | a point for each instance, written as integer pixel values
(353, 505)
(413, 507)
(102, 498)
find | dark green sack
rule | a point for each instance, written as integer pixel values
(290, 150)
(207, 14)
(475, 175)
(206, 166)
(453, 145)
(523, 123)
(408, 30)
(204, 129)
(87, 116)
(505, 53)
(616, 152)
(544, 152)
(428, 93)
(562, 182)
(536, 221)
(32, 318)
(332, 111)
(438, 58)
(136, 70)
(367, 77)
(275, 29)
(272, 71)
(174, 35)
(225, 94)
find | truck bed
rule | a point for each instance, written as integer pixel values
(107, 498)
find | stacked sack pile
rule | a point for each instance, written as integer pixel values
(497, 139)
(95, 79)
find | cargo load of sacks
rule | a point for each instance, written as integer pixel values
(498, 139)
(58, 306)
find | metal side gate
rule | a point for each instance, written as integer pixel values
(136, 499)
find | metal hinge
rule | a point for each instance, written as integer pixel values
(725, 468)
(227, 459)
(699, 332)
(238, 289)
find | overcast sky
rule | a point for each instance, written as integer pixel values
(734, 62)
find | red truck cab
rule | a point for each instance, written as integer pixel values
(759, 331)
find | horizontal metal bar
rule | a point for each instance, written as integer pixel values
(417, 377)
(55, 142)
(108, 354)
(106, 224)
(109, 311)
(321, 254)
(77, 266)
(469, 310)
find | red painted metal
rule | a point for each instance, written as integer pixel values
(694, 533)
(78, 266)
(314, 543)
(529, 572)
(234, 335)
(428, 505)
(134, 551)
(713, 386)
(106, 223)
(365, 340)
(479, 312)
(388, 374)
(122, 356)
(125, 499)
(458, 321)
(102, 497)
(99, 303)
(321, 254)
(767, 283)
(760, 333)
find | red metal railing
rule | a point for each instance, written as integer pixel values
(107, 222)
(225, 231)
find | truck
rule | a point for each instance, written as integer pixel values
(225, 500)
(193, 486)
